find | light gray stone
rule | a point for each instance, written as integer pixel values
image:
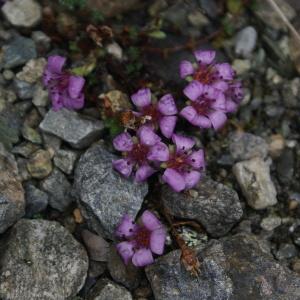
(65, 160)
(245, 41)
(41, 260)
(255, 181)
(73, 128)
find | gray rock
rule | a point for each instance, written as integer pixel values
(245, 41)
(18, 52)
(33, 70)
(255, 181)
(39, 165)
(286, 251)
(106, 290)
(270, 223)
(127, 275)
(42, 41)
(243, 146)
(59, 189)
(40, 96)
(214, 205)
(45, 258)
(210, 8)
(12, 201)
(65, 160)
(232, 268)
(36, 200)
(23, 13)
(25, 149)
(68, 125)
(285, 166)
(103, 194)
(24, 89)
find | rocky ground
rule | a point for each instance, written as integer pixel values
(60, 200)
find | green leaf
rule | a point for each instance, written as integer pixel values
(157, 34)
(235, 6)
(84, 70)
(114, 126)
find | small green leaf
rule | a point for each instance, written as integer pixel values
(157, 34)
(84, 70)
(235, 6)
(114, 126)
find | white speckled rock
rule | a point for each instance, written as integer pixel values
(23, 13)
(41, 260)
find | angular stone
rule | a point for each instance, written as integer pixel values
(245, 41)
(59, 189)
(103, 194)
(231, 268)
(255, 181)
(23, 13)
(33, 70)
(243, 146)
(214, 205)
(12, 201)
(68, 125)
(45, 258)
(65, 160)
(36, 200)
(18, 52)
(39, 164)
(40, 96)
(106, 289)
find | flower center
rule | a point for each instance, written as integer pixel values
(202, 105)
(60, 82)
(204, 74)
(139, 153)
(178, 161)
(142, 237)
(151, 113)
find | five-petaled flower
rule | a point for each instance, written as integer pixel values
(161, 114)
(141, 239)
(65, 89)
(139, 152)
(184, 167)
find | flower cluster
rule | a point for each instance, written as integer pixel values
(65, 89)
(141, 240)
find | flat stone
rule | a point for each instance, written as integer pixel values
(39, 164)
(270, 223)
(243, 146)
(245, 41)
(214, 205)
(12, 201)
(103, 194)
(22, 13)
(106, 289)
(59, 189)
(45, 258)
(36, 200)
(40, 96)
(33, 70)
(255, 181)
(23, 89)
(18, 52)
(73, 128)
(234, 268)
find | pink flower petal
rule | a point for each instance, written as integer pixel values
(56, 101)
(125, 249)
(147, 136)
(55, 63)
(193, 90)
(127, 227)
(143, 172)
(123, 166)
(150, 221)
(123, 142)
(75, 87)
(142, 97)
(218, 119)
(220, 102)
(158, 152)
(186, 68)
(166, 105)
(167, 125)
(205, 57)
(73, 103)
(231, 106)
(182, 143)
(174, 180)
(157, 241)
(202, 122)
(191, 179)
(225, 71)
(142, 257)
(220, 85)
(196, 159)
(189, 113)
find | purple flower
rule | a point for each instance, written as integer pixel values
(184, 167)
(139, 152)
(207, 107)
(234, 95)
(160, 114)
(64, 88)
(141, 239)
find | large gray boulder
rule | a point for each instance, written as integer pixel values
(232, 268)
(41, 260)
(103, 194)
